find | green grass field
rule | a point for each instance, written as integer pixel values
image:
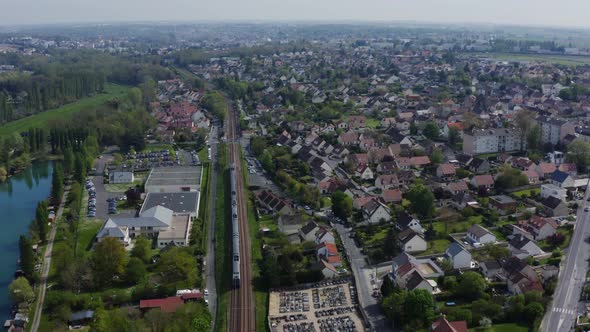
(510, 327)
(44, 119)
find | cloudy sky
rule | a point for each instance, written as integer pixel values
(521, 12)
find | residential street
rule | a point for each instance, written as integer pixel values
(566, 305)
(363, 282)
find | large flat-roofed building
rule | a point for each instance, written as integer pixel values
(182, 203)
(493, 140)
(158, 223)
(174, 179)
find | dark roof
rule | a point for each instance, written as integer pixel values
(402, 259)
(559, 176)
(478, 162)
(407, 234)
(552, 202)
(478, 231)
(492, 264)
(404, 219)
(454, 249)
(414, 280)
(519, 242)
(310, 226)
(180, 203)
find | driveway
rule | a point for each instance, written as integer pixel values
(102, 208)
(365, 281)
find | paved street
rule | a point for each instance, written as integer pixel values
(566, 305)
(363, 282)
(210, 259)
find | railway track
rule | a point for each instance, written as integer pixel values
(242, 301)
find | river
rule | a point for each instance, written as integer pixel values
(18, 199)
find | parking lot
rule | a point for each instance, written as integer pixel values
(325, 307)
(102, 208)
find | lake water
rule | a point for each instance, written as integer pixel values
(18, 200)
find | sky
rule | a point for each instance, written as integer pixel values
(570, 13)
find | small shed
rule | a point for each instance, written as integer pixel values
(81, 317)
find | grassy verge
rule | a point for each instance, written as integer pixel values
(222, 242)
(260, 292)
(44, 119)
(204, 207)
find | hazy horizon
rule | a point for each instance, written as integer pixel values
(540, 13)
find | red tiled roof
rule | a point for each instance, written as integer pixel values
(443, 325)
(392, 195)
(483, 180)
(169, 304)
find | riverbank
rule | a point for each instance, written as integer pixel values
(18, 199)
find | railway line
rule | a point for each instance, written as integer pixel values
(242, 301)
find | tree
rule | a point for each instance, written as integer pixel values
(533, 138)
(134, 96)
(178, 266)
(3, 174)
(142, 249)
(431, 131)
(436, 157)
(27, 257)
(21, 291)
(341, 205)
(419, 307)
(68, 161)
(201, 324)
(421, 200)
(510, 178)
(578, 152)
(454, 136)
(258, 145)
(135, 270)
(472, 286)
(57, 184)
(108, 260)
(532, 311)
(41, 219)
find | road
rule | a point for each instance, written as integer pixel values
(210, 259)
(47, 264)
(364, 285)
(562, 313)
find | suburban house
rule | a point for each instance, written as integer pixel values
(273, 203)
(290, 224)
(490, 269)
(387, 181)
(458, 256)
(554, 206)
(391, 195)
(457, 187)
(519, 276)
(329, 253)
(411, 242)
(404, 220)
(532, 176)
(482, 182)
(445, 172)
(503, 204)
(328, 270)
(478, 234)
(478, 165)
(522, 247)
(443, 325)
(538, 228)
(550, 189)
(324, 235)
(375, 212)
(307, 232)
(562, 179)
(545, 169)
(404, 267)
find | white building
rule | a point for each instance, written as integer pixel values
(478, 234)
(174, 179)
(458, 256)
(550, 189)
(119, 177)
(493, 140)
(554, 130)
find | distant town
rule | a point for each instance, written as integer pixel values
(305, 177)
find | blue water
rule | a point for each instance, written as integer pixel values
(18, 199)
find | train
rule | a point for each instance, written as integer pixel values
(235, 229)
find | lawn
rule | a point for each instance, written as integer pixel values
(437, 246)
(526, 192)
(510, 327)
(123, 187)
(456, 226)
(44, 119)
